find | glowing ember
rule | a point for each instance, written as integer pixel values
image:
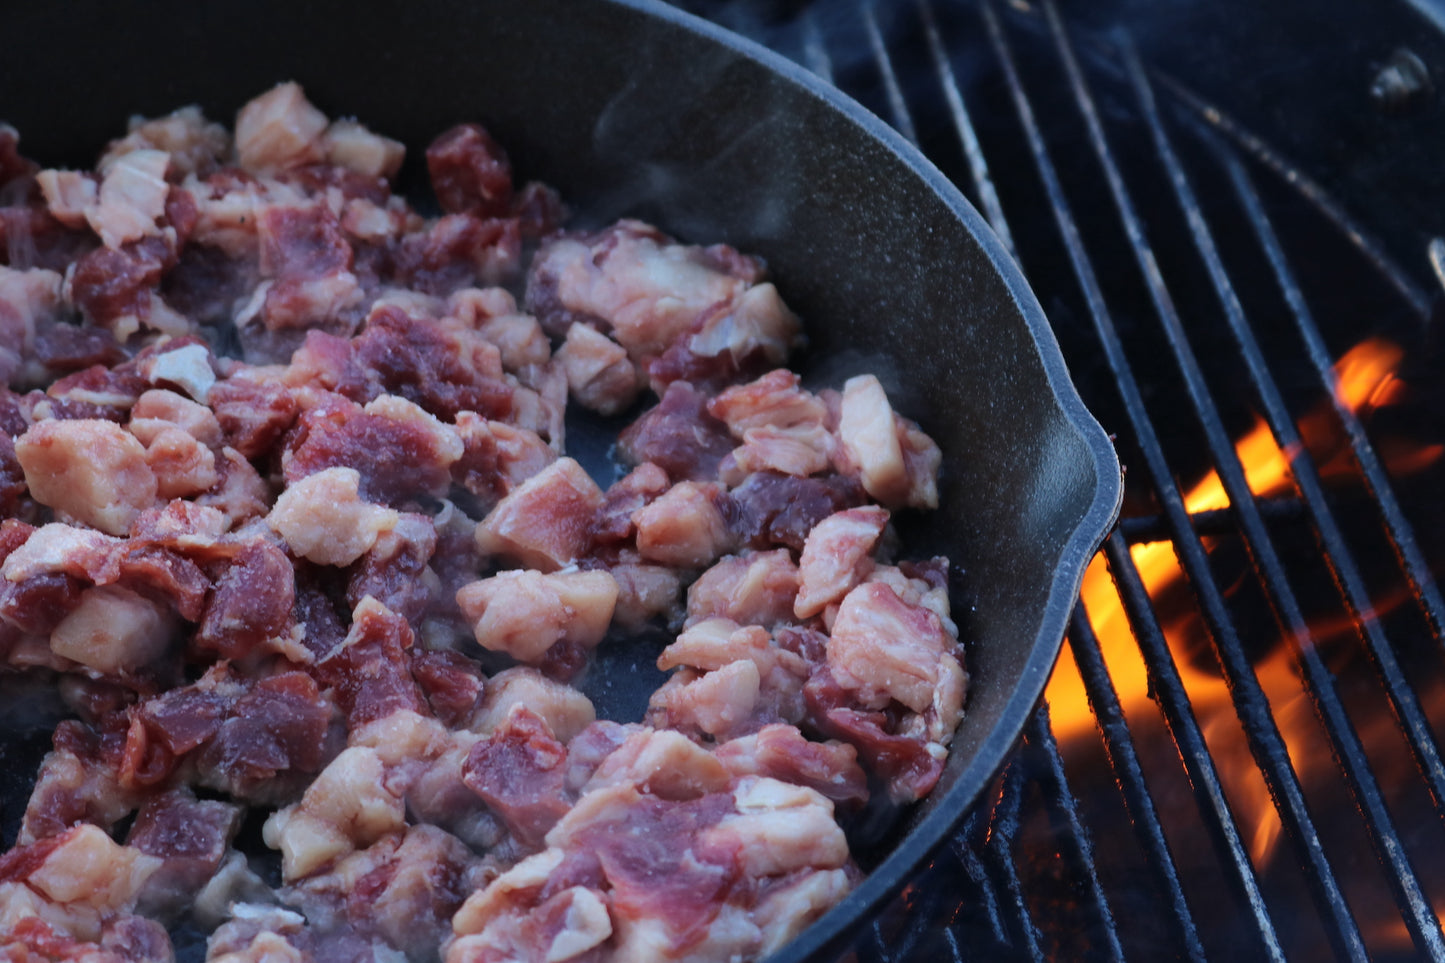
(1365, 380)
(1366, 375)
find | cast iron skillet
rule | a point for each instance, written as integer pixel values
(632, 107)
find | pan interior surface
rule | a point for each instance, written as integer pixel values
(631, 108)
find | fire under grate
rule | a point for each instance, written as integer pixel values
(1238, 753)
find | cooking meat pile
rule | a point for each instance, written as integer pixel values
(290, 527)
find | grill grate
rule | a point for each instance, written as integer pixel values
(1178, 338)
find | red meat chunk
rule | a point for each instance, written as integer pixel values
(519, 771)
(470, 172)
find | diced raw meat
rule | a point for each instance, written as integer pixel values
(68, 195)
(866, 432)
(641, 285)
(737, 681)
(470, 172)
(645, 593)
(445, 370)
(278, 130)
(252, 412)
(84, 866)
(677, 878)
(519, 771)
(351, 145)
(251, 602)
(298, 530)
(781, 752)
(539, 210)
(273, 733)
(76, 784)
(883, 648)
(453, 685)
(459, 251)
(81, 552)
(116, 288)
(497, 457)
(525, 613)
(348, 807)
(909, 763)
(719, 704)
(599, 374)
(754, 333)
(195, 145)
(683, 527)
(801, 451)
(754, 588)
(787, 910)
(259, 933)
(474, 307)
(922, 458)
(921, 584)
(188, 366)
(182, 465)
(112, 629)
(519, 338)
(678, 436)
(394, 571)
(505, 922)
(158, 408)
(92, 471)
(399, 450)
(779, 828)
(28, 301)
(895, 461)
(323, 518)
(403, 889)
(663, 764)
(565, 710)
(837, 557)
(132, 198)
(406, 740)
(93, 393)
(62, 347)
(369, 670)
(546, 523)
(773, 401)
(12, 479)
(626, 496)
(241, 493)
(190, 836)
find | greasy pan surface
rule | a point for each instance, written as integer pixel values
(630, 107)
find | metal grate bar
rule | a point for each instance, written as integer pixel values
(1173, 699)
(1041, 736)
(963, 124)
(1004, 830)
(1214, 521)
(897, 106)
(1165, 681)
(1320, 683)
(1398, 528)
(963, 847)
(1338, 555)
(1265, 741)
(1368, 245)
(1424, 927)
(1119, 745)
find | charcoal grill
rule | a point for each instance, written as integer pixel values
(1224, 208)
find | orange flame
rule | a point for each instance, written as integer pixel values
(1365, 380)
